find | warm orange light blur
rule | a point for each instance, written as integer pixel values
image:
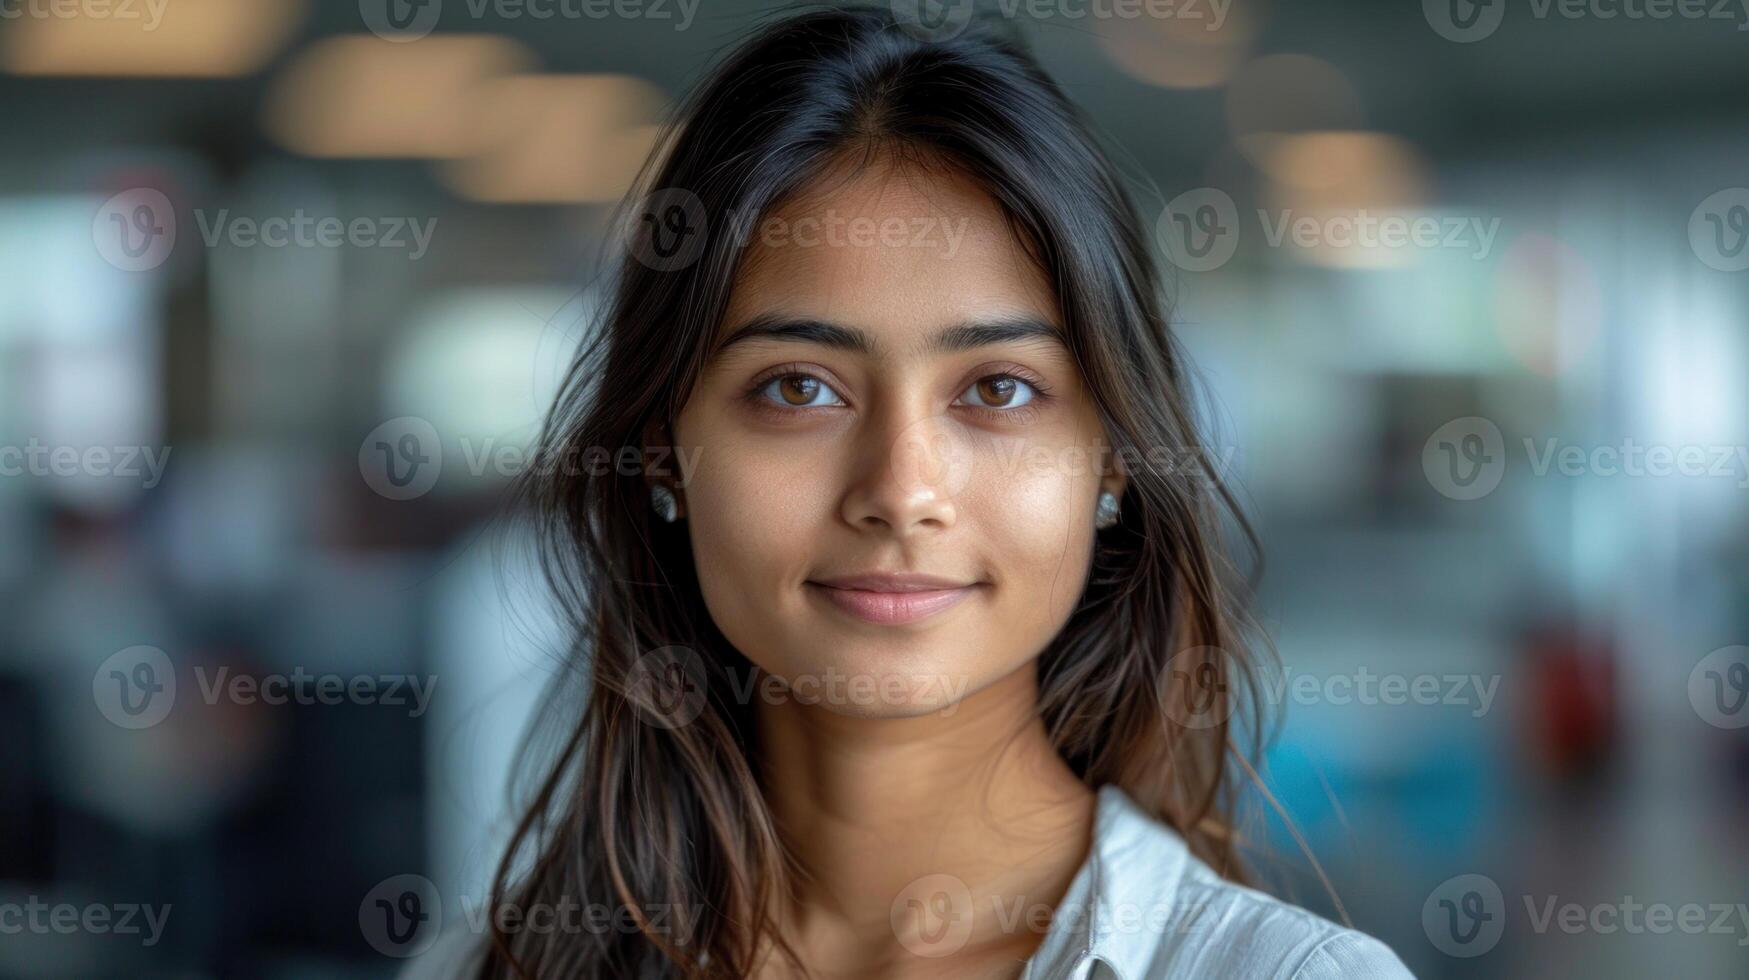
(1349, 177)
(558, 139)
(1346, 169)
(167, 38)
(1179, 52)
(362, 96)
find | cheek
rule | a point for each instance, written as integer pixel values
(749, 515)
(1038, 521)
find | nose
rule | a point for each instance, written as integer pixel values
(908, 476)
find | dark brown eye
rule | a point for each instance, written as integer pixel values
(998, 391)
(1003, 391)
(798, 389)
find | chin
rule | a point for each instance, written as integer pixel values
(889, 681)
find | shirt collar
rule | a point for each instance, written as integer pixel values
(1118, 898)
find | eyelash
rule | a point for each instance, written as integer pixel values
(1025, 413)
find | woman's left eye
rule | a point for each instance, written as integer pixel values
(998, 391)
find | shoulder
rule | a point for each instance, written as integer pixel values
(1225, 929)
(1348, 953)
(1208, 926)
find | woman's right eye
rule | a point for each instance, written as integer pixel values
(799, 391)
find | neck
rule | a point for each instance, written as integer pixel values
(868, 806)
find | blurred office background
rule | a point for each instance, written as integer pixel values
(197, 485)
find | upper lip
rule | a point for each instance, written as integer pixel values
(892, 582)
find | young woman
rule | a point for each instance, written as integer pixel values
(910, 649)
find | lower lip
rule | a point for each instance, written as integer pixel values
(891, 608)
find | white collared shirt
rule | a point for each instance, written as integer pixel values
(1142, 907)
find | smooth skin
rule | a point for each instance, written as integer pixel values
(902, 402)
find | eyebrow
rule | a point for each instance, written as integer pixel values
(959, 337)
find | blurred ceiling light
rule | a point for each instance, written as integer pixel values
(1347, 169)
(363, 96)
(1183, 51)
(1282, 94)
(1356, 189)
(180, 39)
(559, 139)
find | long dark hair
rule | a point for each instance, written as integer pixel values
(666, 823)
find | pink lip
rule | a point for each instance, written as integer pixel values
(890, 600)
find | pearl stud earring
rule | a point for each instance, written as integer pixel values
(1105, 515)
(662, 499)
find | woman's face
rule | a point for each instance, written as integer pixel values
(897, 462)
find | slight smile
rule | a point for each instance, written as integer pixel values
(891, 599)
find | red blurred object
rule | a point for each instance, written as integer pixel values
(1574, 712)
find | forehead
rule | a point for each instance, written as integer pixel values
(896, 251)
